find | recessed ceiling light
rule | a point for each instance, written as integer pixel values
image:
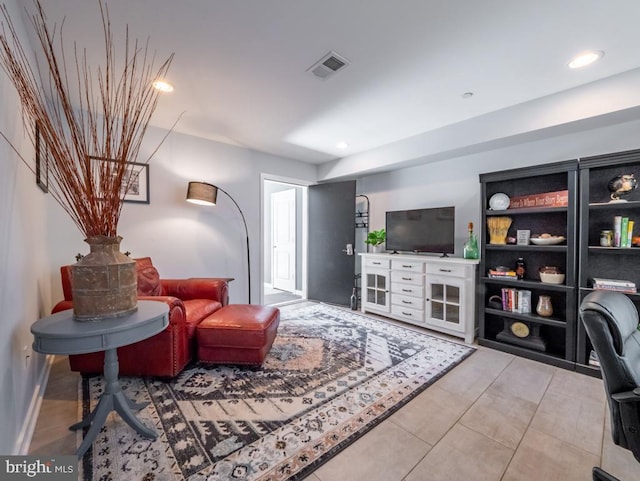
(467, 95)
(585, 58)
(162, 86)
(342, 145)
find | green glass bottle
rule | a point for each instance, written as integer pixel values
(471, 246)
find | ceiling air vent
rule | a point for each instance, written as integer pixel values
(328, 65)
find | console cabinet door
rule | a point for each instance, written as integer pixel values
(375, 290)
(444, 301)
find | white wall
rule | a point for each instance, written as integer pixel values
(24, 283)
(455, 181)
(183, 239)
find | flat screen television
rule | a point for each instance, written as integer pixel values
(421, 230)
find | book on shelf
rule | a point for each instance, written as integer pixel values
(613, 282)
(628, 290)
(617, 230)
(502, 274)
(614, 285)
(516, 300)
(624, 227)
(622, 231)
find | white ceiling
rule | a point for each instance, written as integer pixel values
(240, 67)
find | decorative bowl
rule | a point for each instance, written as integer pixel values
(551, 275)
(547, 241)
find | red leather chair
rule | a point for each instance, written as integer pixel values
(168, 352)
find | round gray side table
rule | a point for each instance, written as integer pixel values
(61, 334)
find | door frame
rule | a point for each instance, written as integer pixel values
(266, 229)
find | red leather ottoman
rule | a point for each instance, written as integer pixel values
(237, 334)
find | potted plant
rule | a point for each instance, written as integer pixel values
(375, 239)
(89, 120)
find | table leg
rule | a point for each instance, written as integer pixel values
(112, 399)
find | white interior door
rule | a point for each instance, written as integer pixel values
(283, 232)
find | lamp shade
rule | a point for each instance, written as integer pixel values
(202, 193)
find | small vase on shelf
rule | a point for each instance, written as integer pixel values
(544, 307)
(471, 246)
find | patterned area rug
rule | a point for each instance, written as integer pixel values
(331, 375)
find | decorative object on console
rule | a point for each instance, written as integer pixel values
(498, 228)
(621, 185)
(375, 239)
(203, 193)
(470, 250)
(109, 120)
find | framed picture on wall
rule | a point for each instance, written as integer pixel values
(135, 181)
(42, 162)
(136, 178)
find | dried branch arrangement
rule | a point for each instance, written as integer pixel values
(82, 114)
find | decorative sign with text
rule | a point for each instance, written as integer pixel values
(546, 199)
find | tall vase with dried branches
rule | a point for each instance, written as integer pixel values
(84, 115)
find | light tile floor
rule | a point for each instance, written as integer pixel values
(493, 417)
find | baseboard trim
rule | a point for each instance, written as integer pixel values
(28, 427)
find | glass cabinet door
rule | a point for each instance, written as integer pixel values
(377, 289)
(443, 302)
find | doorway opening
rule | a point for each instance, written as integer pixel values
(284, 241)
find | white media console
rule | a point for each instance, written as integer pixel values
(433, 292)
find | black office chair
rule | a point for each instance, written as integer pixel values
(611, 321)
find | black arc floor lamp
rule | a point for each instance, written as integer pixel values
(206, 194)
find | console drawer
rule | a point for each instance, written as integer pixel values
(404, 277)
(407, 290)
(407, 301)
(447, 269)
(404, 265)
(412, 315)
(376, 262)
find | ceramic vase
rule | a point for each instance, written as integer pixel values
(544, 307)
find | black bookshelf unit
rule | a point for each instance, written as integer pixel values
(596, 214)
(549, 339)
